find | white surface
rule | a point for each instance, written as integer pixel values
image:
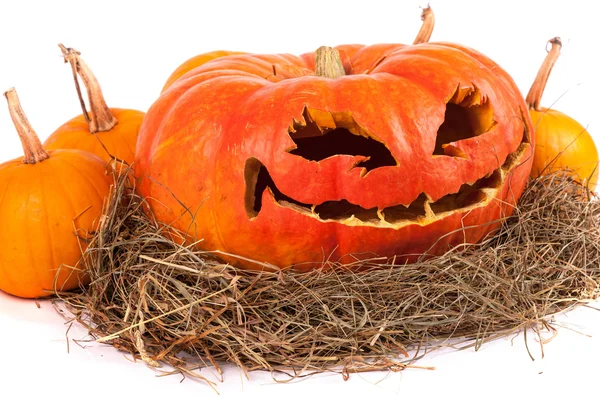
(134, 46)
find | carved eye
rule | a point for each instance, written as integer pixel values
(468, 114)
(323, 134)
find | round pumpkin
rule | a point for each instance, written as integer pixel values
(110, 133)
(561, 141)
(49, 202)
(401, 150)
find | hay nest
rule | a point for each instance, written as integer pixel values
(174, 306)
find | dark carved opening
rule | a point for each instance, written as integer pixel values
(258, 180)
(315, 142)
(342, 141)
(468, 114)
(343, 209)
(468, 194)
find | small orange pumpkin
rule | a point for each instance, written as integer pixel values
(48, 199)
(106, 132)
(561, 141)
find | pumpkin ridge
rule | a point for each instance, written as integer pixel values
(269, 60)
(194, 77)
(182, 100)
(83, 177)
(60, 278)
(81, 173)
(261, 68)
(261, 64)
(225, 123)
(9, 181)
(129, 147)
(195, 62)
(28, 232)
(84, 140)
(375, 54)
(48, 237)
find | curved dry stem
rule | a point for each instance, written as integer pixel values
(32, 147)
(100, 119)
(536, 91)
(328, 63)
(426, 30)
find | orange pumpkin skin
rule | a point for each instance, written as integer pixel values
(194, 62)
(201, 59)
(562, 142)
(119, 142)
(41, 207)
(204, 139)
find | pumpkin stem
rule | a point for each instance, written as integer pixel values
(100, 119)
(426, 30)
(328, 63)
(32, 147)
(536, 91)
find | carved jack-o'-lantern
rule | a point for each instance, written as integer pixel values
(406, 150)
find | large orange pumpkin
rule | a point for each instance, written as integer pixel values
(49, 202)
(406, 149)
(561, 141)
(107, 132)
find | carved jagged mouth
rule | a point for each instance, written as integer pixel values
(421, 211)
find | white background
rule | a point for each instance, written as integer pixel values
(134, 46)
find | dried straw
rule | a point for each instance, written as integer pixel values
(174, 306)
